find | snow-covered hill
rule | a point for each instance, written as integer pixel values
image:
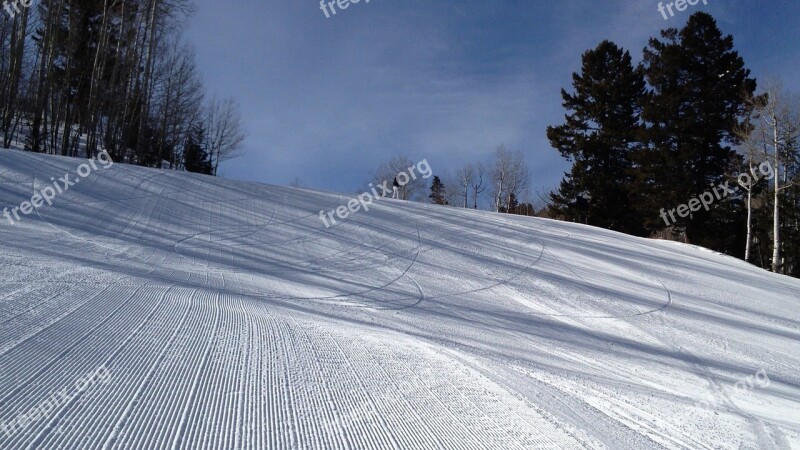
(155, 309)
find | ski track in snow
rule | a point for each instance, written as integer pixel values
(229, 317)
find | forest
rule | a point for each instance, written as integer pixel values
(648, 138)
(78, 76)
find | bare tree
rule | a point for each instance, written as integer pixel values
(386, 173)
(510, 176)
(464, 177)
(751, 158)
(225, 130)
(776, 132)
(18, 34)
(478, 184)
(98, 71)
(519, 177)
(752, 150)
(180, 98)
(501, 167)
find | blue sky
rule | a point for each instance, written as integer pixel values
(326, 100)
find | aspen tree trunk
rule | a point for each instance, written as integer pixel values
(19, 31)
(148, 73)
(97, 74)
(749, 224)
(776, 251)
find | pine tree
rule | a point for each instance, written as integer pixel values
(601, 131)
(699, 86)
(196, 158)
(513, 204)
(437, 192)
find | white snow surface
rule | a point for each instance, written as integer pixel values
(224, 315)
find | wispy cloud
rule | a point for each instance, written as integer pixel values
(328, 99)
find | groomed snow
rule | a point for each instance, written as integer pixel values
(225, 315)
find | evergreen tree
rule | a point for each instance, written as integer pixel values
(699, 86)
(526, 209)
(195, 157)
(602, 130)
(437, 192)
(517, 208)
(513, 204)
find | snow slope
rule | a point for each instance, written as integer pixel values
(224, 315)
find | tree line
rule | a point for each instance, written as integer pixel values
(501, 183)
(645, 139)
(79, 76)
